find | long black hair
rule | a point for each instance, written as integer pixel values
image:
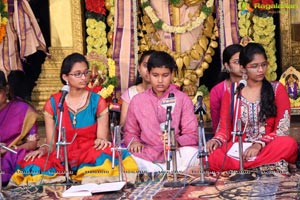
(3, 82)
(267, 96)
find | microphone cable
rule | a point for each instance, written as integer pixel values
(231, 110)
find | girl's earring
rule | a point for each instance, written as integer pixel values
(67, 82)
(244, 75)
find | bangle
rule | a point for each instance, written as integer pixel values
(15, 147)
(43, 145)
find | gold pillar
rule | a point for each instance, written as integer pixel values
(66, 31)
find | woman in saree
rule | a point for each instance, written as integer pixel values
(85, 118)
(18, 129)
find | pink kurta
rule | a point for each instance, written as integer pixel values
(146, 115)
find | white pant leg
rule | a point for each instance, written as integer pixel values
(185, 156)
(147, 166)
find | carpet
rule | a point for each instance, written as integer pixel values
(152, 187)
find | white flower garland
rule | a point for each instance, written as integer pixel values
(186, 27)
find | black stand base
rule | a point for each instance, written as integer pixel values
(173, 184)
(129, 185)
(202, 183)
(242, 177)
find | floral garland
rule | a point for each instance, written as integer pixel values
(111, 81)
(202, 50)
(97, 49)
(96, 40)
(259, 25)
(3, 19)
(206, 10)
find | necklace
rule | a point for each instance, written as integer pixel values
(75, 107)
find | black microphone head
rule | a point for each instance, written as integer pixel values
(199, 98)
(171, 95)
(243, 82)
(65, 88)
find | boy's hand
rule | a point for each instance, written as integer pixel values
(136, 147)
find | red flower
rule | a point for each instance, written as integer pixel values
(97, 6)
(255, 2)
(267, 2)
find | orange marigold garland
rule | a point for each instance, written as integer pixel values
(3, 19)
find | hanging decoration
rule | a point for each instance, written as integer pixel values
(3, 19)
(201, 51)
(195, 22)
(258, 25)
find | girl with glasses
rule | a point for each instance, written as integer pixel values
(264, 112)
(86, 116)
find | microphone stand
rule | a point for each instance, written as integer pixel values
(2, 146)
(168, 129)
(118, 147)
(237, 131)
(202, 152)
(171, 151)
(64, 143)
(175, 182)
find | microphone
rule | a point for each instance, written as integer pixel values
(114, 106)
(114, 113)
(169, 102)
(65, 90)
(200, 107)
(242, 84)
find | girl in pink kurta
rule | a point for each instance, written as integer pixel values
(232, 74)
(146, 118)
(142, 83)
(265, 116)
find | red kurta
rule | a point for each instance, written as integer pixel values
(273, 134)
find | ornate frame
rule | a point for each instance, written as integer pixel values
(290, 50)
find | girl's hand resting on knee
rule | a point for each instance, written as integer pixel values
(136, 147)
(211, 145)
(37, 153)
(101, 143)
(252, 151)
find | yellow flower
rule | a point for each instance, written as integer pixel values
(106, 92)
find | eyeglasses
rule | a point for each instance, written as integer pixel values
(257, 65)
(79, 74)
